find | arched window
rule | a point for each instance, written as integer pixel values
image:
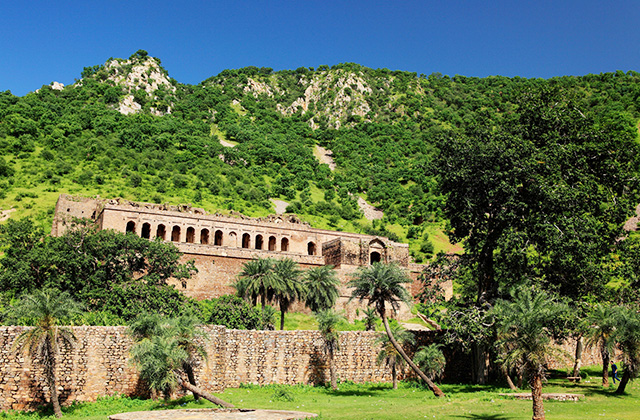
(311, 248)
(191, 235)
(284, 245)
(175, 234)
(246, 240)
(218, 238)
(146, 231)
(161, 232)
(375, 257)
(259, 242)
(272, 243)
(204, 236)
(131, 227)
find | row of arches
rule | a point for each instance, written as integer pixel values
(204, 237)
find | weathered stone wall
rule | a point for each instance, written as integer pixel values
(220, 245)
(98, 364)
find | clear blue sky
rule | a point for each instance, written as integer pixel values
(43, 41)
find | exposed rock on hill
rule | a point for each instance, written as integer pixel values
(143, 81)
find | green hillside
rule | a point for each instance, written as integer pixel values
(126, 129)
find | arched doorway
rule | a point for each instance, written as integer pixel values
(217, 240)
(175, 234)
(311, 248)
(161, 232)
(204, 236)
(146, 231)
(131, 227)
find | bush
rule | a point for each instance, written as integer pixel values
(232, 312)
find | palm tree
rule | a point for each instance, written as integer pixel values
(370, 318)
(321, 286)
(600, 329)
(167, 355)
(523, 323)
(388, 354)
(328, 321)
(287, 286)
(255, 280)
(47, 308)
(627, 334)
(431, 361)
(381, 284)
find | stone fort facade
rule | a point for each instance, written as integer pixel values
(220, 245)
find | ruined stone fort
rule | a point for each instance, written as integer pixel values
(220, 245)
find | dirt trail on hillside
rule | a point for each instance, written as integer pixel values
(370, 212)
(281, 206)
(4, 215)
(226, 143)
(325, 156)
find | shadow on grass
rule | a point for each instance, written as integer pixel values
(485, 416)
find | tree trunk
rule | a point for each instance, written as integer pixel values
(623, 382)
(50, 371)
(332, 370)
(436, 391)
(578, 361)
(281, 319)
(192, 379)
(536, 396)
(606, 358)
(512, 387)
(394, 375)
(479, 363)
(204, 394)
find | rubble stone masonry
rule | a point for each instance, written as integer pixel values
(98, 364)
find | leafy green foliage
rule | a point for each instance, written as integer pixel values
(232, 312)
(431, 360)
(107, 271)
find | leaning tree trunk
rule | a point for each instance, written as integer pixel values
(505, 373)
(196, 390)
(192, 378)
(436, 391)
(536, 396)
(50, 372)
(578, 361)
(626, 376)
(606, 358)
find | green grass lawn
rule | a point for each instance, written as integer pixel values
(379, 401)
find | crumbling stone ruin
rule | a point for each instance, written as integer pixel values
(220, 245)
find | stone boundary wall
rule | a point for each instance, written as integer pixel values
(98, 364)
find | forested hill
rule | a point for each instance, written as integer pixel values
(243, 137)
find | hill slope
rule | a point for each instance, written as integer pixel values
(127, 129)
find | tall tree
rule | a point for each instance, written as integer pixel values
(321, 286)
(388, 354)
(47, 308)
(287, 285)
(381, 285)
(538, 195)
(255, 281)
(328, 321)
(524, 325)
